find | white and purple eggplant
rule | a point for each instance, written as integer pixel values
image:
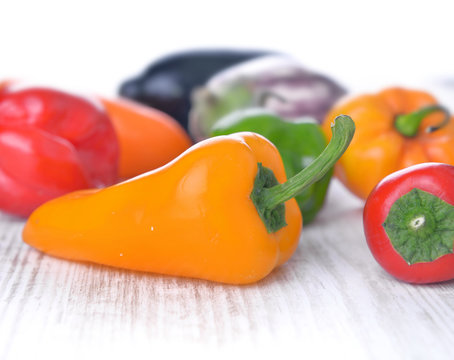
(278, 83)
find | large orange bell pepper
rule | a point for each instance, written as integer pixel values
(221, 211)
(396, 128)
(148, 138)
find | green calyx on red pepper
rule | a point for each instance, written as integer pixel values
(420, 227)
(299, 143)
(408, 222)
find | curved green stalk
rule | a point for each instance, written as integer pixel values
(408, 124)
(269, 197)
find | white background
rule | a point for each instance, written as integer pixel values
(91, 46)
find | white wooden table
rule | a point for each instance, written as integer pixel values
(330, 300)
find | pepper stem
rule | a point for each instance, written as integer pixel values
(408, 124)
(343, 130)
(269, 196)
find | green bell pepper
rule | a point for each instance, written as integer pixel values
(298, 142)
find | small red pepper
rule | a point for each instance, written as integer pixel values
(409, 223)
(51, 143)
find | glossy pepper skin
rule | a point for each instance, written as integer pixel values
(156, 222)
(221, 211)
(148, 138)
(409, 223)
(51, 143)
(167, 83)
(395, 129)
(299, 143)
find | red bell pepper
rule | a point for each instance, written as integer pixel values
(409, 223)
(51, 143)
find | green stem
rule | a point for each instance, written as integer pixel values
(343, 130)
(420, 226)
(408, 124)
(269, 196)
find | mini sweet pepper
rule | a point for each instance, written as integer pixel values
(51, 143)
(148, 138)
(299, 142)
(396, 128)
(221, 211)
(409, 223)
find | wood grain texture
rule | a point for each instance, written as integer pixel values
(330, 299)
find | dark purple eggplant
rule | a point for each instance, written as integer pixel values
(167, 83)
(277, 83)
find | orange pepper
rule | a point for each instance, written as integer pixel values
(216, 212)
(396, 128)
(148, 138)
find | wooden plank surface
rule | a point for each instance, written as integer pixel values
(330, 299)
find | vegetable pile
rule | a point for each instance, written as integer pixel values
(188, 218)
(210, 161)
